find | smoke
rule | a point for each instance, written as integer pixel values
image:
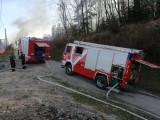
(36, 22)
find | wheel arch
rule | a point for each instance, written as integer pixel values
(68, 63)
(103, 74)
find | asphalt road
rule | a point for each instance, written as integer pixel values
(146, 102)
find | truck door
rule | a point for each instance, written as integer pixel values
(85, 62)
(91, 59)
(79, 59)
(148, 64)
(135, 69)
(67, 53)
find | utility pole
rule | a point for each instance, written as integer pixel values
(6, 38)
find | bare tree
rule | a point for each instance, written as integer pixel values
(86, 11)
(110, 14)
(83, 19)
(63, 15)
(99, 12)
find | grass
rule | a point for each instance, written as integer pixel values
(66, 84)
(107, 109)
(5, 55)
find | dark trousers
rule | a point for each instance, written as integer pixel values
(13, 65)
(24, 64)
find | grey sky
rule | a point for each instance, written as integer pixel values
(27, 17)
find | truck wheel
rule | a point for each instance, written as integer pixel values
(69, 70)
(101, 82)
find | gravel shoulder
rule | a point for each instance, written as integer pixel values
(24, 97)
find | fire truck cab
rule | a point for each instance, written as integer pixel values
(107, 65)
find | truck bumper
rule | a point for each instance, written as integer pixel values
(63, 63)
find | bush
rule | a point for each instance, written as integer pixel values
(57, 47)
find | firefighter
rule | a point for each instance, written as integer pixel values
(23, 60)
(20, 55)
(13, 62)
(18, 52)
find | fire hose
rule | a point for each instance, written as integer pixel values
(91, 97)
(114, 101)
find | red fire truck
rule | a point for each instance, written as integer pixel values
(107, 65)
(35, 49)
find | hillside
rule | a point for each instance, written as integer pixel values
(140, 36)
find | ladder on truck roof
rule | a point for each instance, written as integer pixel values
(108, 47)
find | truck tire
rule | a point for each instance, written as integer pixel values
(69, 70)
(101, 82)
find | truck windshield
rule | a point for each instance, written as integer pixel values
(68, 49)
(79, 50)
